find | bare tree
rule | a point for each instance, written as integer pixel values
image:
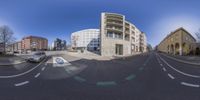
(6, 36)
(198, 35)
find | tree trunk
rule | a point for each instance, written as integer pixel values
(4, 42)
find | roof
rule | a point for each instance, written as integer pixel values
(181, 28)
(34, 37)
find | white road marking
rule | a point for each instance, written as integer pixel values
(161, 64)
(12, 76)
(43, 68)
(183, 73)
(189, 84)
(158, 60)
(62, 60)
(172, 77)
(164, 69)
(22, 83)
(38, 74)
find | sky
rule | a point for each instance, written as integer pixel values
(59, 18)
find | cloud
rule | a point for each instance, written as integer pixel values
(168, 24)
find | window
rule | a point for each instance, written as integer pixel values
(110, 35)
(118, 36)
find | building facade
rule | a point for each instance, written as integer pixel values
(59, 44)
(120, 37)
(179, 42)
(34, 43)
(15, 47)
(88, 39)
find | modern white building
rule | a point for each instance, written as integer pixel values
(88, 39)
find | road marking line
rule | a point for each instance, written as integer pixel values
(186, 74)
(158, 60)
(43, 68)
(108, 83)
(12, 76)
(147, 60)
(38, 74)
(189, 84)
(141, 68)
(22, 83)
(164, 69)
(130, 77)
(172, 77)
(80, 79)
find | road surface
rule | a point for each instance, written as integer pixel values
(150, 76)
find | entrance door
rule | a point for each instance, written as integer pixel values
(119, 49)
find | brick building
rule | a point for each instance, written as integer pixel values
(34, 43)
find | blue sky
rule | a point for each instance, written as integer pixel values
(59, 18)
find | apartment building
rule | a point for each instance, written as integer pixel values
(87, 39)
(179, 42)
(34, 43)
(15, 47)
(120, 37)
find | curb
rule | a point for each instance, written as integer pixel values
(181, 60)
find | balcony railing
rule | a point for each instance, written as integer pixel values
(115, 19)
(114, 29)
(115, 23)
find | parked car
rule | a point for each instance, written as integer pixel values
(37, 57)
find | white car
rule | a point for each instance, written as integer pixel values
(37, 57)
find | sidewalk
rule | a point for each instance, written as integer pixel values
(11, 60)
(195, 60)
(90, 55)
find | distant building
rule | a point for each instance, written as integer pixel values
(34, 43)
(14, 47)
(179, 42)
(59, 44)
(149, 48)
(88, 39)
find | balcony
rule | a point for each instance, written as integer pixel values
(114, 23)
(114, 19)
(127, 37)
(115, 16)
(127, 32)
(118, 30)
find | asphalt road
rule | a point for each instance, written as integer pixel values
(150, 76)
